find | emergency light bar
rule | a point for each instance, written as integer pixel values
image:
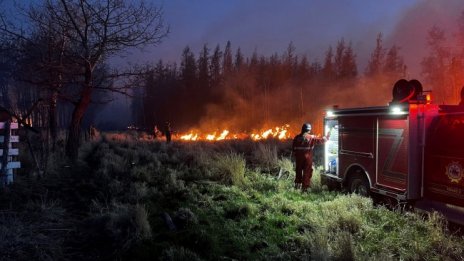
(425, 97)
(428, 98)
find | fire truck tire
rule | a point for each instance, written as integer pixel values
(359, 184)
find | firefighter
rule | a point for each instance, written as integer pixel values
(302, 147)
(155, 132)
(167, 132)
(92, 132)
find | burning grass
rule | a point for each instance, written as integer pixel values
(137, 200)
(281, 133)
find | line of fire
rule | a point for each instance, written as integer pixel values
(280, 133)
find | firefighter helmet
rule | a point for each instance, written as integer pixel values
(306, 127)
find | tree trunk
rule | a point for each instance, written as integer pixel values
(72, 145)
(53, 119)
(4, 92)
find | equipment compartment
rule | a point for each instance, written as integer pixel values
(331, 149)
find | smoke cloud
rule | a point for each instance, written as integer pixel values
(312, 27)
(410, 33)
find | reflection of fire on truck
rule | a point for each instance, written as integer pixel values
(409, 152)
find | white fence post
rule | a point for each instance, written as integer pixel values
(7, 152)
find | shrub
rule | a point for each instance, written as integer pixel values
(184, 217)
(118, 226)
(229, 168)
(144, 173)
(237, 212)
(30, 237)
(316, 185)
(265, 156)
(342, 248)
(345, 213)
(172, 183)
(286, 168)
(138, 191)
(261, 183)
(178, 253)
(142, 225)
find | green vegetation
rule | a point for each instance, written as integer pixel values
(133, 200)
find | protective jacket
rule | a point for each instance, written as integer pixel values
(303, 145)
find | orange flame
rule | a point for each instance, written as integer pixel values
(280, 133)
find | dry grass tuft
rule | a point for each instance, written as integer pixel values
(265, 156)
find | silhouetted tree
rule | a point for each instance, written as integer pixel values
(215, 68)
(339, 58)
(349, 68)
(434, 66)
(290, 60)
(189, 92)
(188, 69)
(8, 63)
(96, 30)
(376, 61)
(239, 60)
(203, 69)
(227, 63)
(394, 66)
(328, 70)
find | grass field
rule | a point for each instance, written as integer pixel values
(142, 200)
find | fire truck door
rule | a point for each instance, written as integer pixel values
(392, 152)
(444, 165)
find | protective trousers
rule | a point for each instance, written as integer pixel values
(304, 169)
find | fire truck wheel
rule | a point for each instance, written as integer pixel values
(359, 185)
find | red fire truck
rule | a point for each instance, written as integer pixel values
(409, 152)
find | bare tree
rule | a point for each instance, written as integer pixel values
(94, 31)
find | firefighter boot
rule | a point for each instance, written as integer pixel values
(306, 187)
(306, 190)
(297, 185)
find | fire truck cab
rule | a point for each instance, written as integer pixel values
(409, 152)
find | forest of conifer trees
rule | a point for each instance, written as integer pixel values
(222, 88)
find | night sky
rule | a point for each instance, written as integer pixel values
(268, 26)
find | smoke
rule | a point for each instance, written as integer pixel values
(290, 103)
(410, 33)
(250, 108)
(312, 27)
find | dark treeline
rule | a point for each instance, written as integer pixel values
(221, 88)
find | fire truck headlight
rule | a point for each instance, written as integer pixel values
(396, 110)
